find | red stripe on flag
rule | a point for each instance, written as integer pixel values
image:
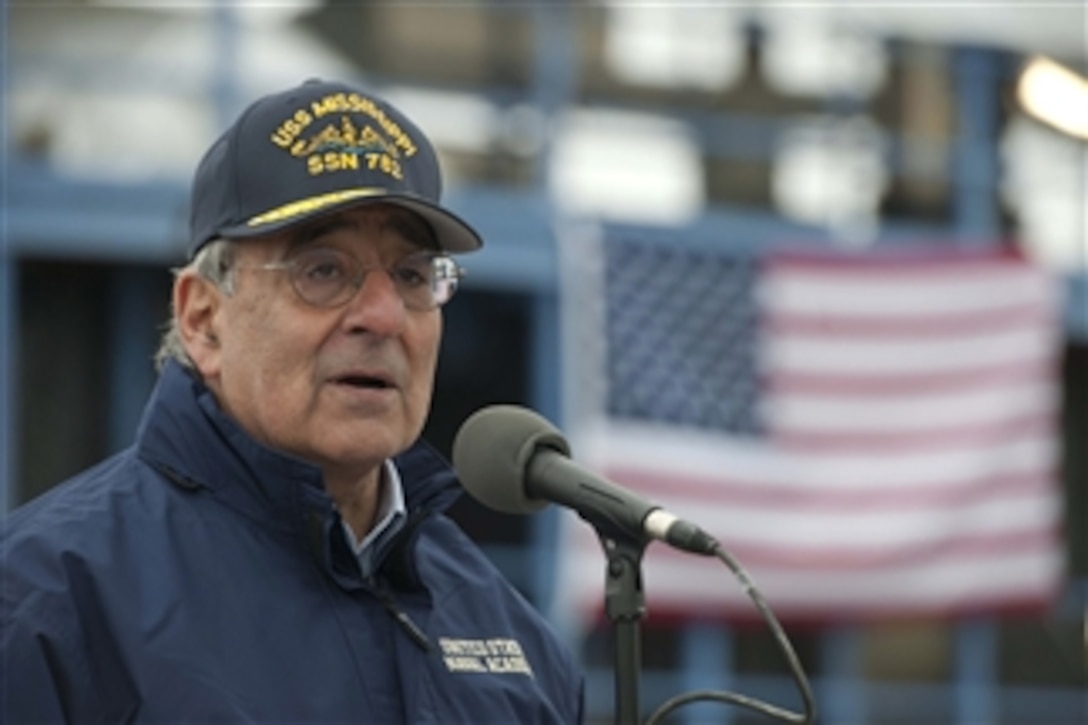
(899, 326)
(927, 261)
(876, 556)
(1037, 365)
(726, 490)
(936, 438)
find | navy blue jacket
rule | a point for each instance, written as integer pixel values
(201, 577)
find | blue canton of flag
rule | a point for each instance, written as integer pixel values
(681, 328)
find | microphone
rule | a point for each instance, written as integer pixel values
(515, 461)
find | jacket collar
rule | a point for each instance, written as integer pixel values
(187, 436)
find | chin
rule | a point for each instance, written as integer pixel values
(366, 447)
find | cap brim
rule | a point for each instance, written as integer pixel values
(452, 233)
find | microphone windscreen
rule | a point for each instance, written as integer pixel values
(492, 450)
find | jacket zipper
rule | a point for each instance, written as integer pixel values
(413, 631)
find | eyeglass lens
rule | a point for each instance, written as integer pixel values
(329, 277)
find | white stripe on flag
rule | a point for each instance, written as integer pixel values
(960, 408)
(720, 465)
(886, 290)
(841, 357)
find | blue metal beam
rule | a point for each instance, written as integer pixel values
(225, 74)
(975, 161)
(977, 690)
(977, 222)
(555, 75)
(49, 216)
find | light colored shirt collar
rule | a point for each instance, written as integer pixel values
(392, 511)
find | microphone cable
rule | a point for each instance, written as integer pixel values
(806, 717)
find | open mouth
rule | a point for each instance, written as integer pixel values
(367, 382)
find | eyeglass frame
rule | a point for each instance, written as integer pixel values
(453, 271)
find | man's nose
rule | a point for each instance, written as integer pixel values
(377, 305)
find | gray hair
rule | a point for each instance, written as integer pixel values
(215, 263)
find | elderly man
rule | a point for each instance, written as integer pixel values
(273, 546)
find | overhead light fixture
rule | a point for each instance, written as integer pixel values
(674, 46)
(807, 53)
(1044, 185)
(626, 166)
(830, 171)
(456, 120)
(280, 12)
(1055, 95)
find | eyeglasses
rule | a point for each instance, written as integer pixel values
(327, 277)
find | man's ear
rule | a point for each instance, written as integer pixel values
(197, 307)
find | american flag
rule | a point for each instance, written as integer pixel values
(871, 434)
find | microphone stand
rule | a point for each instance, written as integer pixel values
(625, 606)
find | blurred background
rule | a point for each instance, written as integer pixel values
(667, 190)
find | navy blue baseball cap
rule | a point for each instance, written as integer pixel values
(312, 150)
